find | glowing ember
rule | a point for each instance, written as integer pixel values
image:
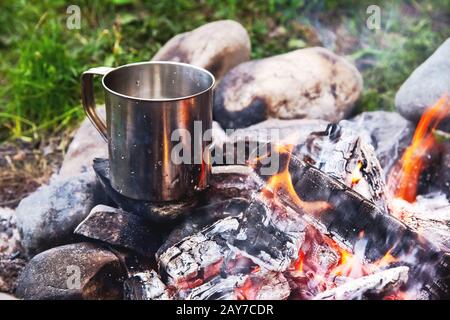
(404, 182)
(356, 174)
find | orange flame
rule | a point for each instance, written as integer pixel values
(405, 181)
(356, 175)
(352, 266)
(298, 265)
(283, 181)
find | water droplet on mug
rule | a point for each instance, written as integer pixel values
(138, 83)
(173, 81)
(122, 157)
(134, 145)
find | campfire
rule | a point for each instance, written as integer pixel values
(324, 226)
(335, 219)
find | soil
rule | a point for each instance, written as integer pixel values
(24, 166)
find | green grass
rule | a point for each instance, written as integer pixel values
(42, 59)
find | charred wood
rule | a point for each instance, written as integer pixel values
(374, 286)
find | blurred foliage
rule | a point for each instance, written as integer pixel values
(42, 59)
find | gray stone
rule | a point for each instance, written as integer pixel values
(307, 83)
(86, 145)
(48, 217)
(217, 46)
(119, 228)
(425, 85)
(77, 271)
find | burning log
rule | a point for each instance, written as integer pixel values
(376, 285)
(429, 216)
(348, 217)
(258, 286)
(146, 286)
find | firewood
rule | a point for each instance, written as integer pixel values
(372, 286)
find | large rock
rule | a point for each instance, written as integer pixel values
(426, 84)
(217, 46)
(49, 216)
(76, 271)
(307, 83)
(11, 252)
(86, 145)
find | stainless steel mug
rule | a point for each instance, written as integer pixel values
(145, 103)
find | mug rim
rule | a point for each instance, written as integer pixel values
(213, 81)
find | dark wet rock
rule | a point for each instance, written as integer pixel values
(119, 228)
(48, 217)
(425, 85)
(217, 46)
(307, 83)
(77, 271)
(86, 145)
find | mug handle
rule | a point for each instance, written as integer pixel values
(88, 99)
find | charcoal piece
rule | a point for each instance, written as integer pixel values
(155, 211)
(375, 286)
(388, 132)
(197, 257)
(217, 288)
(119, 228)
(260, 286)
(270, 242)
(347, 156)
(146, 286)
(202, 217)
